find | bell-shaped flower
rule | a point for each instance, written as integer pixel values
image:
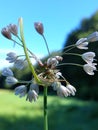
(58, 75)
(82, 43)
(88, 57)
(21, 90)
(89, 68)
(52, 62)
(59, 58)
(34, 87)
(10, 80)
(93, 37)
(7, 72)
(62, 91)
(32, 96)
(71, 89)
(6, 33)
(19, 64)
(39, 27)
(11, 57)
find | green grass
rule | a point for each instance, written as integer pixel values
(64, 114)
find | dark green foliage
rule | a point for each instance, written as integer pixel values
(63, 113)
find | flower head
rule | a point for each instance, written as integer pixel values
(21, 90)
(88, 57)
(89, 68)
(82, 43)
(52, 62)
(13, 29)
(34, 87)
(7, 72)
(10, 80)
(93, 37)
(71, 89)
(6, 33)
(39, 27)
(32, 95)
(19, 64)
(62, 91)
(11, 57)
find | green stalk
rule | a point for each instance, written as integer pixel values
(70, 64)
(74, 54)
(45, 109)
(26, 51)
(34, 74)
(46, 44)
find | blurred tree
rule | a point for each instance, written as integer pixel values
(87, 86)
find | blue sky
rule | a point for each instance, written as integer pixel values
(59, 18)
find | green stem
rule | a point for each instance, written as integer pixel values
(71, 64)
(46, 44)
(67, 47)
(45, 109)
(26, 51)
(70, 48)
(74, 54)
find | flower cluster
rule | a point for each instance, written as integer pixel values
(9, 30)
(19, 63)
(50, 76)
(88, 57)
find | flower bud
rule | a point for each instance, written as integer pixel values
(71, 89)
(11, 57)
(52, 62)
(7, 72)
(19, 64)
(39, 27)
(11, 80)
(6, 33)
(93, 37)
(88, 57)
(59, 58)
(34, 87)
(82, 43)
(21, 90)
(13, 29)
(32, 95)
(62, 91)
(89, 68)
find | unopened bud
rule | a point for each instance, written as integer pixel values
(6, 33)
(10, 80)
(19, 64)
(93, 37)
(39, 27)
(13, 29)
(59, 58)
(7, 72)
(52, 62)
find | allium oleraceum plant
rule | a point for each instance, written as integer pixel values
(50, 75)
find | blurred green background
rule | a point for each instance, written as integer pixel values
(74, 113)
(67, 114)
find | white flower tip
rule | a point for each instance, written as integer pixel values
(93, 37)
(71, 89)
